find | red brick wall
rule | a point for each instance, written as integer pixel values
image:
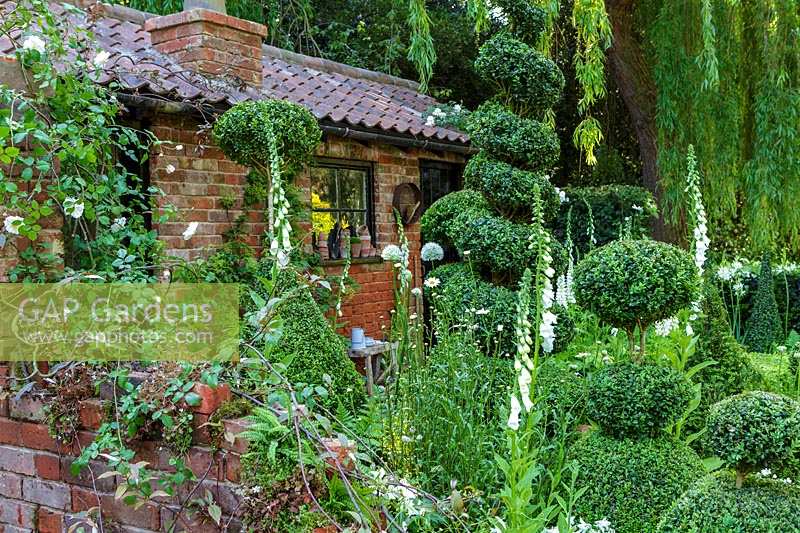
(203, 177)
(39, 493)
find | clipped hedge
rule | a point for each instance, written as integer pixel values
(633, 400)
(715, 505)
(313, 348)
(631, 482)
(635, 282)
(511, 191)
(528, 144)
(610, 205)
(436, 222)
(754, 429)
(524, 74)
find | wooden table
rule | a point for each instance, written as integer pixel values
(371, 355)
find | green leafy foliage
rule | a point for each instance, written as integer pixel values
(563, 389)
(496, 244)
(464, 293)
(502, 135)
(528, 81)
(754, 429)
(242, 133)
(763, 330)
(635, 282)
(732, 371)
(527, 20)
(631, 482)
(511, 190)
(633, 400)
(318, 356)
(437, 221)
(715, 505)
(612, 210)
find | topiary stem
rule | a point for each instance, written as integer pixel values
(642, 340)
(739, 479)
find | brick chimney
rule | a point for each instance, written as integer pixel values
(210, 42)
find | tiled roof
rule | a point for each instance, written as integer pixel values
(331, 91)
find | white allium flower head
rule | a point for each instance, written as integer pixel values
(432, 252)
(392, 253)
(118, 224)
(33, 42)
(12, 223)
(191, 229)
(416, 291)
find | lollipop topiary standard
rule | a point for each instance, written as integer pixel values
(630, 283)
(753, 430)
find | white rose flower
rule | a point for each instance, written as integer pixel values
(118, 224)
(101, 59)
(32, 42)
(73, 207)
(170, 169)
(191, 229)
(12, 223)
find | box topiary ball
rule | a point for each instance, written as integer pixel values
(635, 282)
(242, 132)
(631, 482)
(714, 505)
(753, 429)
(633, 400)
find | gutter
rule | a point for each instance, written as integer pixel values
(396, 140)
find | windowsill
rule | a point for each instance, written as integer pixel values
(356, 261)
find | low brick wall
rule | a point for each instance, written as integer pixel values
(39, 493)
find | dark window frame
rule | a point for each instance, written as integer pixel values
(351, 164)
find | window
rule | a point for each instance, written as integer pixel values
(341, 192)
(438, 179)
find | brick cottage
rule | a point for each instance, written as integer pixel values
(177, 72)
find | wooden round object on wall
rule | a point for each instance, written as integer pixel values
(408, 201)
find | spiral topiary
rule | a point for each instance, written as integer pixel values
(631, 482)
(752, 430)
(763, 330)
(437, 220)
(630, 283)
(511, 190)
(633, 400)
(524, 143)
(526, 77)
(714, 505)
(242, 133)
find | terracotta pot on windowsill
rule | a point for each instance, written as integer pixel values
(355, 248)
(366, 246)
(322, 246)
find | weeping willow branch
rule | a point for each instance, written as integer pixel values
(593, 33)
(421, 51)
